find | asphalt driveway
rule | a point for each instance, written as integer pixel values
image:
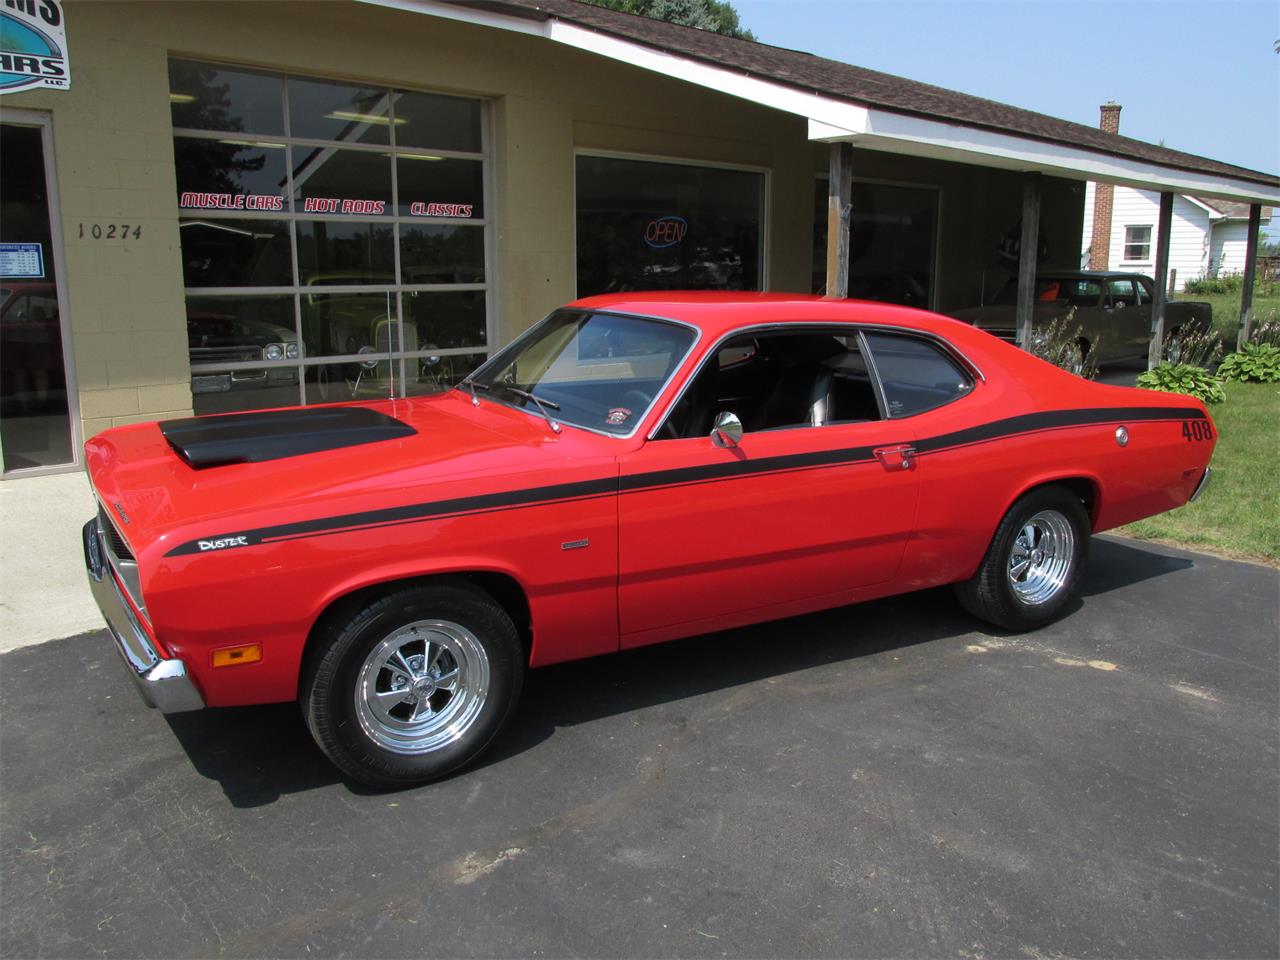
(879, 780)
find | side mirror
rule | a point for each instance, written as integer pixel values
(727, 430)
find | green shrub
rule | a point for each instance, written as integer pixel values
(1231, 283)
(1253, 362)
(1184, 378)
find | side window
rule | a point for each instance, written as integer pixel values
(915, 374)
(780, 380)
(1122, 293)
(1144, 293)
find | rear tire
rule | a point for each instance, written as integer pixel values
(415, 685)
(1033, 567)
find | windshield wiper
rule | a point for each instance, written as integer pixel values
(543, 405)
(467, 381)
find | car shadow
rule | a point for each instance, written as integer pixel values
(1115, 564)
(258, 754)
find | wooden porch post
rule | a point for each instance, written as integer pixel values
(1029, 247)
(839, 208)
(1156, 351)
(1250, 267)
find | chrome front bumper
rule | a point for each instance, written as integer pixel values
(164, 684)
(1200, 487)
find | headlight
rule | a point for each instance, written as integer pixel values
(291, 351)
(273, 351)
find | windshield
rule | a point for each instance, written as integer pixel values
(600, 371)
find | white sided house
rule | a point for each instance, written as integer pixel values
(1207, 238)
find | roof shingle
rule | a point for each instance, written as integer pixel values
(865, 87)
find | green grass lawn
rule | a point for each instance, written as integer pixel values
(1239, 514)
(1226, 311)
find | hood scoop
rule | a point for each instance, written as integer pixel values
(273, 435)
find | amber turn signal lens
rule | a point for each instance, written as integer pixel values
(234, 656)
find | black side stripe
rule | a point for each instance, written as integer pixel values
(590, 489)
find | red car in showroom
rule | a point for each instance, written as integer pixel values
(633, 469)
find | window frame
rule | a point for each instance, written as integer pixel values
(1145, 244)
(292, 215)
(712, 354)
(766, 197)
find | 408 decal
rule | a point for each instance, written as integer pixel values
(1196, 430)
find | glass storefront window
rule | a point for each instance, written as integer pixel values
(320, 216)
(434, 120)
(334, 252)
(230, 174)
(440, 253)
(35, 418)
(892, 239)
(433, 186)
(350, 182)
(338, 324)
(320, 110)
(648, 225)
(226, 330)
(431, 373)
(445, 320)
(204, 96)
(235, 253)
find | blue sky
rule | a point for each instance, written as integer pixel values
(1199, 75)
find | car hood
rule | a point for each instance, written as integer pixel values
(242, 472)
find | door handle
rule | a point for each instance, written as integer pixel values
(900, 456)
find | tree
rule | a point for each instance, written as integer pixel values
(718, 16)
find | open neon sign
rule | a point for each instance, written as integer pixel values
(667, 231)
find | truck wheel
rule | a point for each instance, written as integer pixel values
(415, 685)
(1033, 567)
(1173, 346)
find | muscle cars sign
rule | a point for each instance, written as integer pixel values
(33, 46)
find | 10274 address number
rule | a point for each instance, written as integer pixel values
(110, 231)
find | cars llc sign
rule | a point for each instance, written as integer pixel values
(662, 232)
(33, 46)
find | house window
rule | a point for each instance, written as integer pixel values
(334, 237)
(1137, 243)
(649, 225)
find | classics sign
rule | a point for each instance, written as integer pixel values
(33, 46)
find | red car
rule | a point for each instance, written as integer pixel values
(634, 468)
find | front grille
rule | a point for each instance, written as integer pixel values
(225, 354)
(115, 542)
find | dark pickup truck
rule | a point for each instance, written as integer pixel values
(1113, 311)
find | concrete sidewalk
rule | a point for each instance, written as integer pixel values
(880, 780)
(43, 593)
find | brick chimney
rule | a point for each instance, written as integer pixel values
(1103, 197)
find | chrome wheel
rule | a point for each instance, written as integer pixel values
(422, 687)
(1041, 558)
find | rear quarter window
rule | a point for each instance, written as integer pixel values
(915, 375)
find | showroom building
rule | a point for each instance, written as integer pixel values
(212, 207)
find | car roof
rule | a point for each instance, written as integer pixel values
(719, 312)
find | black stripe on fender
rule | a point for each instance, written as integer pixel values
(407, 514)
(566, 492)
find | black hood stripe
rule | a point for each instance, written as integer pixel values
(607, 486)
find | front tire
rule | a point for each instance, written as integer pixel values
(415, 685)
(1033, 567)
